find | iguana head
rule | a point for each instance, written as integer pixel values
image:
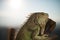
(42, 18)
(39, 18)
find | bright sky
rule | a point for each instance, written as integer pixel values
(14, 12)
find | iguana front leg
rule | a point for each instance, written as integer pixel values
(35, 34)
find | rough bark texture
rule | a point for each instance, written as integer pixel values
(49, 29)
(11, 34)
(50, 26)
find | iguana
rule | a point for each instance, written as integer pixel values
(34, 25)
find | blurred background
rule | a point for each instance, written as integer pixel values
(14, 13)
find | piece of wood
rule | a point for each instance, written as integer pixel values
(11, 34)
(50, 26)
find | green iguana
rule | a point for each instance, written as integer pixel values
(34, 25)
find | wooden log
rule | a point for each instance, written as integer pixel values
(50, 26)
(11, 34)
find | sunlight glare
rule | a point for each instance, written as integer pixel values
(16, 4)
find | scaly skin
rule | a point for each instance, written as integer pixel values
(31, 29)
